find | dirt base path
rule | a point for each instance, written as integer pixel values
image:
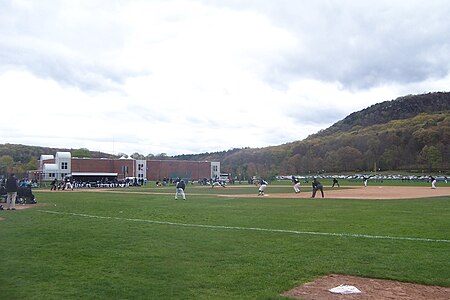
(359, 192)
(370, 192)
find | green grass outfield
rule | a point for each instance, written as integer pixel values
(99, 245)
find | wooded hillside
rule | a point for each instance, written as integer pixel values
(384, 112)
(410, 133)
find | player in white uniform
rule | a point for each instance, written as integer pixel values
(296, 182)
(433, 182)
(180, 189)
(262, 187)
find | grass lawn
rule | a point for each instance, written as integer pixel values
(86, 245)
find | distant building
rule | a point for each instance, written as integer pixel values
(63, 164)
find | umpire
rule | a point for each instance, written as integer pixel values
(316, 185)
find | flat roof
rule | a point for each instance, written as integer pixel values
(50, 167)
(92, 174)
(46, 157)
(63, 154)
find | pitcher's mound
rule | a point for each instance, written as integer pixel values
(373, 289)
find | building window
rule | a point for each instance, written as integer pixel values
(215, 168)
(64, 166)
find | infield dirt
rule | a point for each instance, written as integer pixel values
(369, 192)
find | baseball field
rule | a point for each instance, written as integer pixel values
(229, 243)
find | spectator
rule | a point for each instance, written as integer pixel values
(11, 190)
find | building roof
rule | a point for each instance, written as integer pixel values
(93, 174)
(63, 155)
(50, 167)
(46, 157)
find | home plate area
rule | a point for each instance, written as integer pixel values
(370, 289)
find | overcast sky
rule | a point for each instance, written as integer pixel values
(182, 77)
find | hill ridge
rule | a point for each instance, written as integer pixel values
(400, 108)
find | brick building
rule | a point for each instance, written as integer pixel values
(63, 164)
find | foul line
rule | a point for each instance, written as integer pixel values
(367, 236)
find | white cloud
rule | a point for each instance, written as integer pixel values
(201, 76)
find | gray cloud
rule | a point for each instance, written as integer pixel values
(360, 44)
(64, 68)
(316, 115)
(44, 40)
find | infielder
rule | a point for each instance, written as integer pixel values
(296, 182)
(433, 182)
(262, 187)
(180, 189)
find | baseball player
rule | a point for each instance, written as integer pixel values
(296, 182)
(262, 187)
(217, 183)
(366, 179)
(433, 182)
(335, 182)
(180, 189)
